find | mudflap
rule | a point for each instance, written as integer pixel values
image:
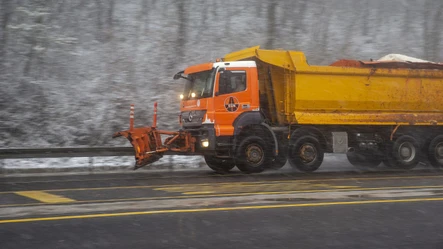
(147, 145)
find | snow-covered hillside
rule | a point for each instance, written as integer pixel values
(70, 69)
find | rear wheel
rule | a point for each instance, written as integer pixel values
(404, 153)
(253, 155)
(220, 165)
(279, 161)
(363, 160)
(435, 152)
(306, 154)
(282, 157)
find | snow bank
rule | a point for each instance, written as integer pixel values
(95, 164)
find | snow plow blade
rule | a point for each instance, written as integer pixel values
(147, 141)
(148, 145)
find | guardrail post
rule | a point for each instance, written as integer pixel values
(154, 123)
(131, 118)
(91, 164)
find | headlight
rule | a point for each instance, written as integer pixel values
(181, 96)
(193, 95)
(205, 143)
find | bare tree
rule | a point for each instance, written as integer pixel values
(433, 27)
(271, 24)
(181, 32)
(105, 12)
(5, 12)
(365, 8)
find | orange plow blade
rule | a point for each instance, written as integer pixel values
(147, 141)
(148, 144)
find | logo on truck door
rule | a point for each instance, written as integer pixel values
(231, 104)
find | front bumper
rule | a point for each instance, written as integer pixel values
(204, 134)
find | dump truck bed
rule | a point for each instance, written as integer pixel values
(347, 92)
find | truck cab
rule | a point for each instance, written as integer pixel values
(215, 96)
(219, 99)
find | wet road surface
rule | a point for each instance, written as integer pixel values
(200, 209)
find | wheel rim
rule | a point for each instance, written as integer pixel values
(406, 152)
(438, 152)
(308, 153)
(254, 154)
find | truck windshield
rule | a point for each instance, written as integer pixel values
(200, 85)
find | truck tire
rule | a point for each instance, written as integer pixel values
(253, 155)
(435, 152)
(279, 161)
(363, 161)
(404, 153)
(306, 154)
(219, 165)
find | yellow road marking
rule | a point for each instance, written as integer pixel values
(225, 183)
(145, 178)
(177, 187)
(196, 210)
(206, 176)
(198, 193)
(44, 197)
(227, 195)
(250, 187)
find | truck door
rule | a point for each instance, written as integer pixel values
(232, 97)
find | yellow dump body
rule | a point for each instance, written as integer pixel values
(298, 93)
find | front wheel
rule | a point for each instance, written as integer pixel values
(306, 154)
(219, 165)
(253, 155)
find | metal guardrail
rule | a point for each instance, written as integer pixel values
(16, 153)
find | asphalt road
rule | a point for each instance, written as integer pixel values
(200, 209)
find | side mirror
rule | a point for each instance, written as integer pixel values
(178, 75)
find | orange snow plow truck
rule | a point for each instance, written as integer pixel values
(256, 109)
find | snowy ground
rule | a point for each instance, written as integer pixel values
(91, 164)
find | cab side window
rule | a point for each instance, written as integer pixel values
(232, 82)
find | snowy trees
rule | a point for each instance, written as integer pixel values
(70, 69)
